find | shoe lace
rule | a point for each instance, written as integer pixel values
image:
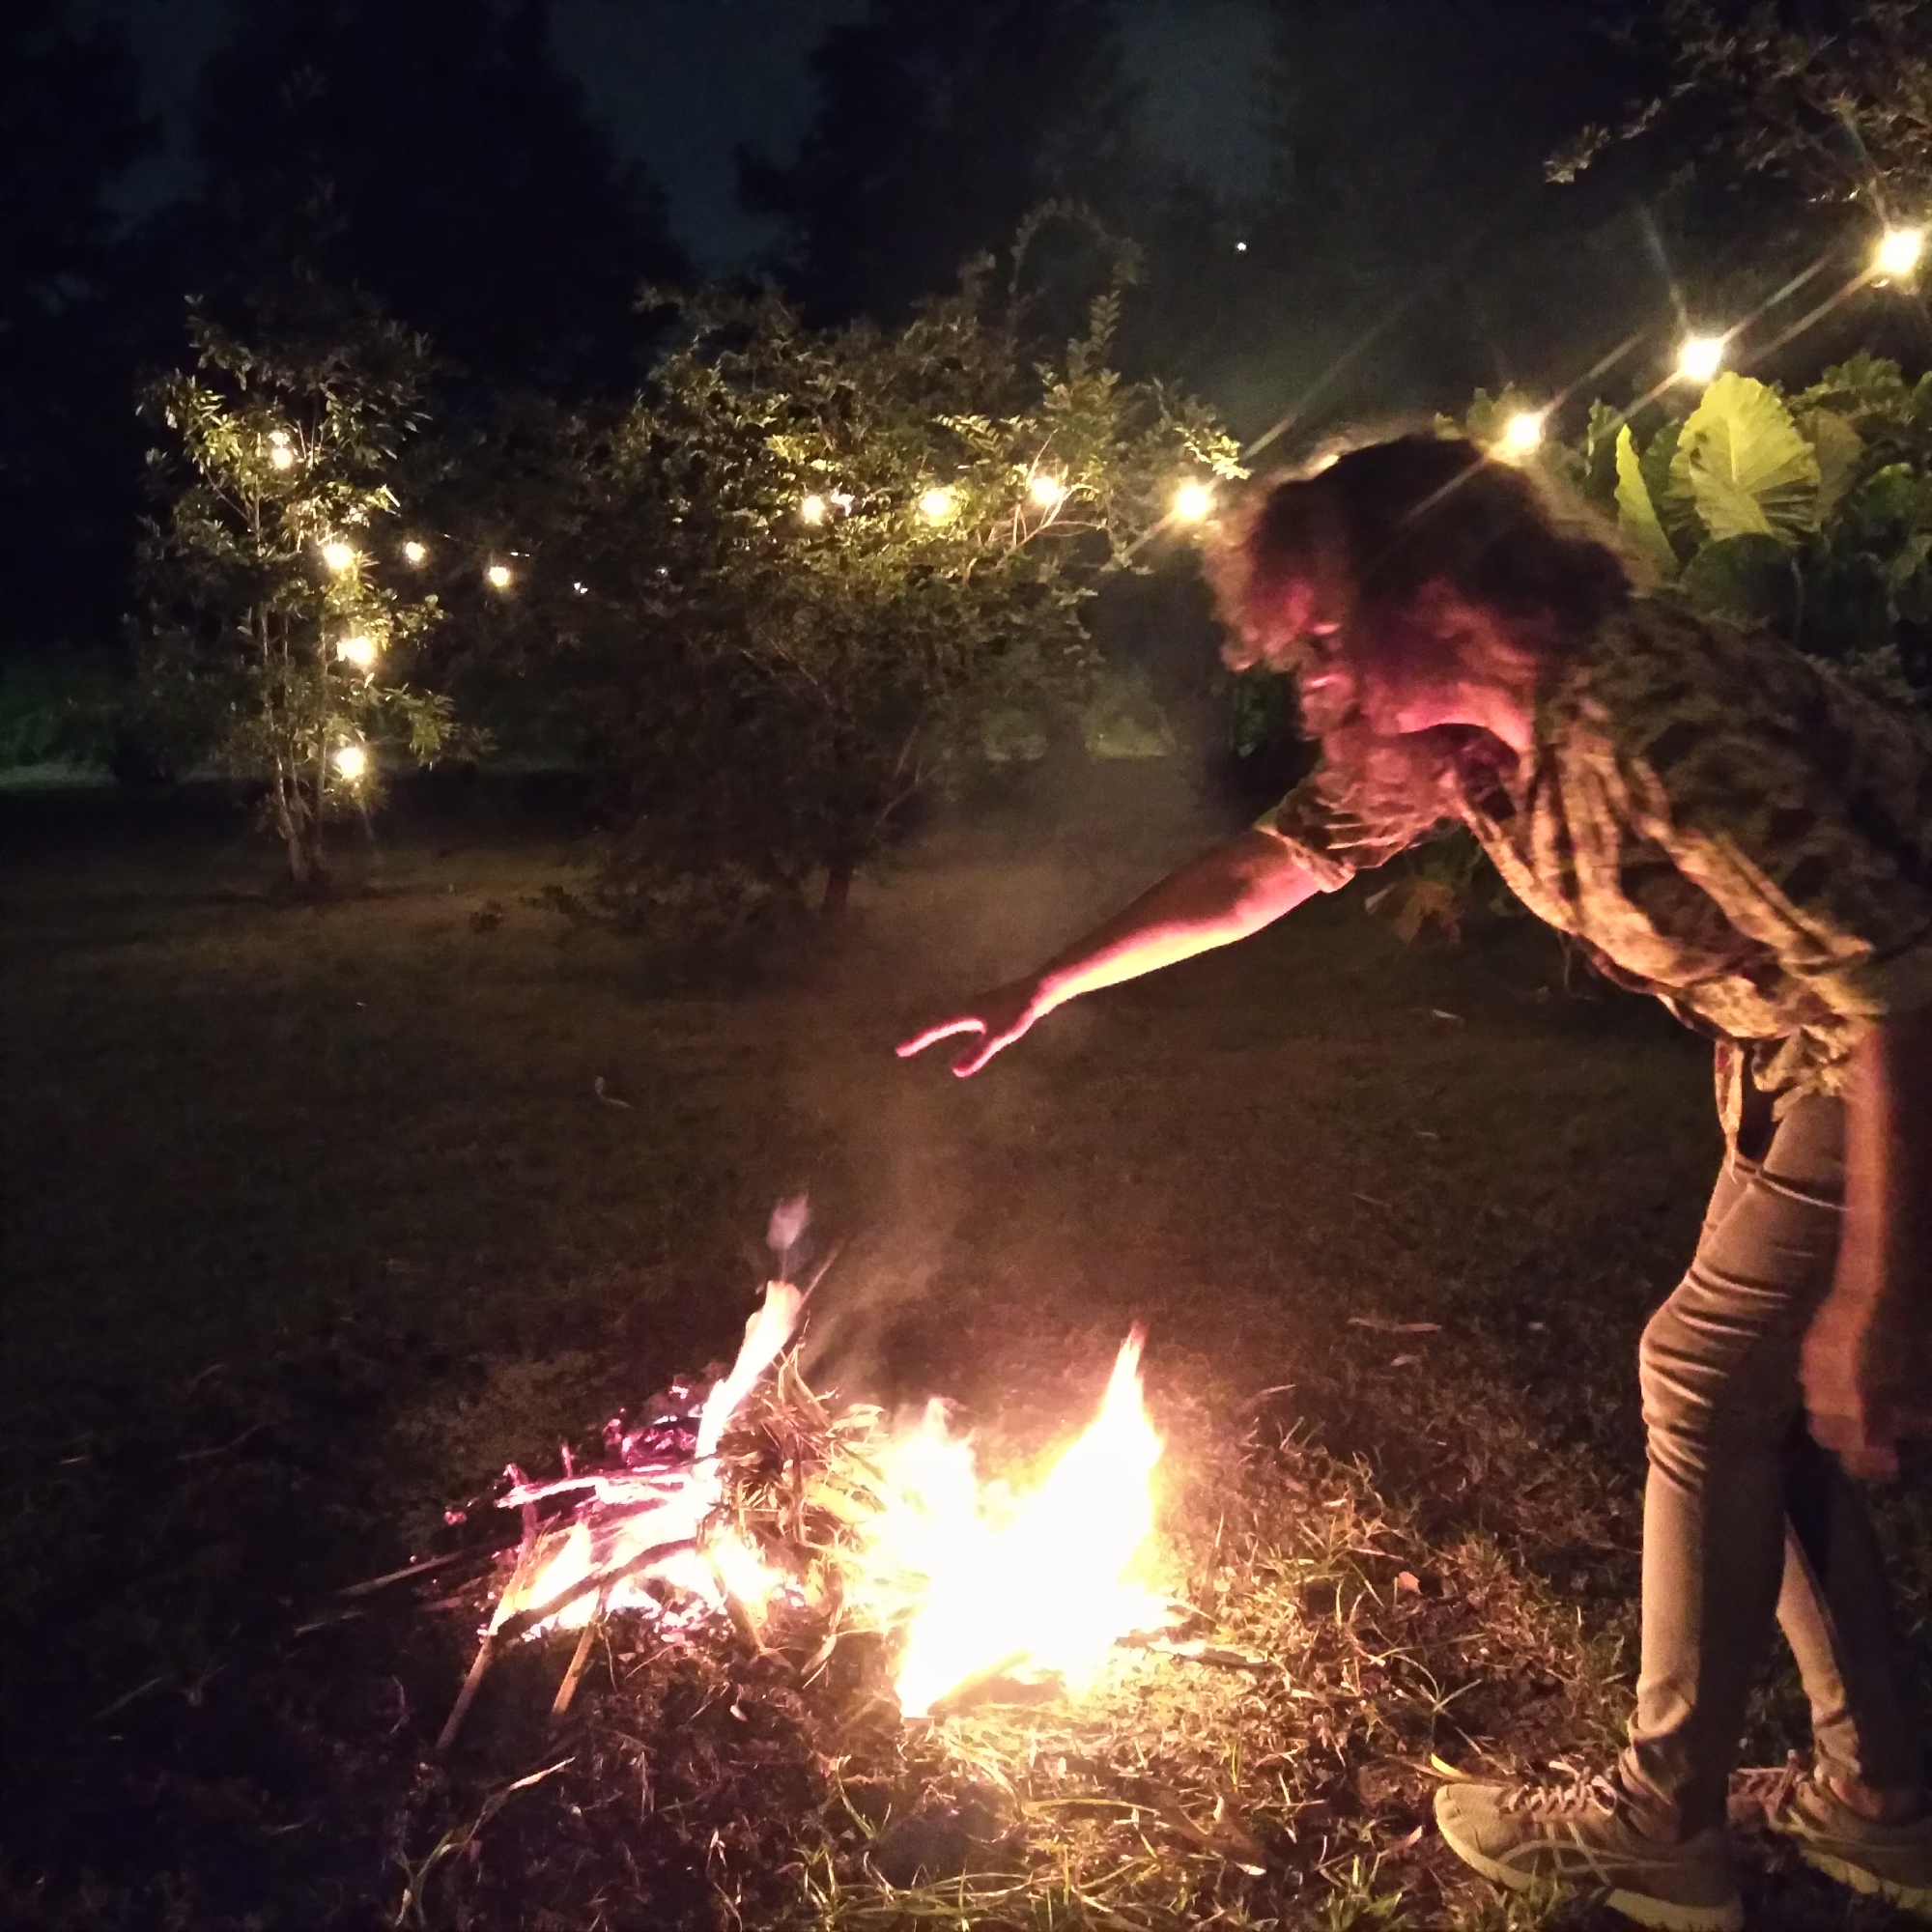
(1769, 1787)
(1572, 1790)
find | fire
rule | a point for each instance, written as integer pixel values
(653, 1503)
(977, 1580)
(1002, 1583)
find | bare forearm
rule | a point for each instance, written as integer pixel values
(1223, 895)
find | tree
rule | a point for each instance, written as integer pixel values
(1838, 100)
(274, 636)
(811, 565)
(938, 129)
(69, 123)
(434, 156)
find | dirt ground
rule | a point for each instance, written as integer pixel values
(315, 1218)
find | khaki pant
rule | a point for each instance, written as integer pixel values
(1744, 1517)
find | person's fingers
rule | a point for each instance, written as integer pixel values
(945, 1030)
(1865, 1452)
(970, 1062)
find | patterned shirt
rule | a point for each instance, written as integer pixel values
(1717, 820)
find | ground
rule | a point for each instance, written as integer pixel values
(317, 1217)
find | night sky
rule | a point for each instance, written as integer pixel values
(681, 84)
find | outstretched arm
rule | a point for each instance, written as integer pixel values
(1229, 891)
(1865, 1354)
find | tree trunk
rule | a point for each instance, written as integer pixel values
(301, 832)
(837, 889)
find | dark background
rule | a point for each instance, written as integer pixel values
(1342, 207)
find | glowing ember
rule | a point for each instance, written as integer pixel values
(1003, 1583)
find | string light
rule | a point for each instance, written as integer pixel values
(337, 555)
(358, 651)
(1700, 357)
(1192, 500)
(352, 762)
(1521, 432)
(1048, 492)
(813, 509)
(413, 552)
(1898, 251)
(936, 505)
(497, 576)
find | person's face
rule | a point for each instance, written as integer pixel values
(1412, 679)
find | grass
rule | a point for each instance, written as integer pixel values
(317, 1218)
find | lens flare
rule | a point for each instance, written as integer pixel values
(1192, 501)
(1700, 357)
(1522, 433)
(1898, 251)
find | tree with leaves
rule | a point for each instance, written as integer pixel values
(69, 126)
(812, 566)
(1838, 100)
(278, 625)
(437, 157)
(938, 129)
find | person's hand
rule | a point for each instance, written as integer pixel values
(995, 1019)
(1860, 1391)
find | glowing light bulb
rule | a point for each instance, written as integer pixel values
(813, 509)
(1048, 492)
(936, 505)
(497, 576)
(281, 456)
(337, 555)
(358, 651)
(413, 552)
(1898, 251)
(352, 762)
(1240, 247)
(1192, 501)
(1521, 432)
(1700, 357)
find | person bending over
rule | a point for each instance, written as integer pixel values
(1717, 821)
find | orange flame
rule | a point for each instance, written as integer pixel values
(1003, 1583)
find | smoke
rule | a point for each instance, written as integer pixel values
(942, 1190)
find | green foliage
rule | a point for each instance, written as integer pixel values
(1810, 515)
(273, 637)
(811, 572)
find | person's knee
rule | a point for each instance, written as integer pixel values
(1672, 1399)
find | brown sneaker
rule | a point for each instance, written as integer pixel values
(1889, 1861)
(1580, 1835)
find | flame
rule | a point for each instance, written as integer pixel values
(628, 1513)
(982, 1581)
(1000, 1583)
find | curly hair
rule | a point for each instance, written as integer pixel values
(1381, 521)
(1408, 510)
